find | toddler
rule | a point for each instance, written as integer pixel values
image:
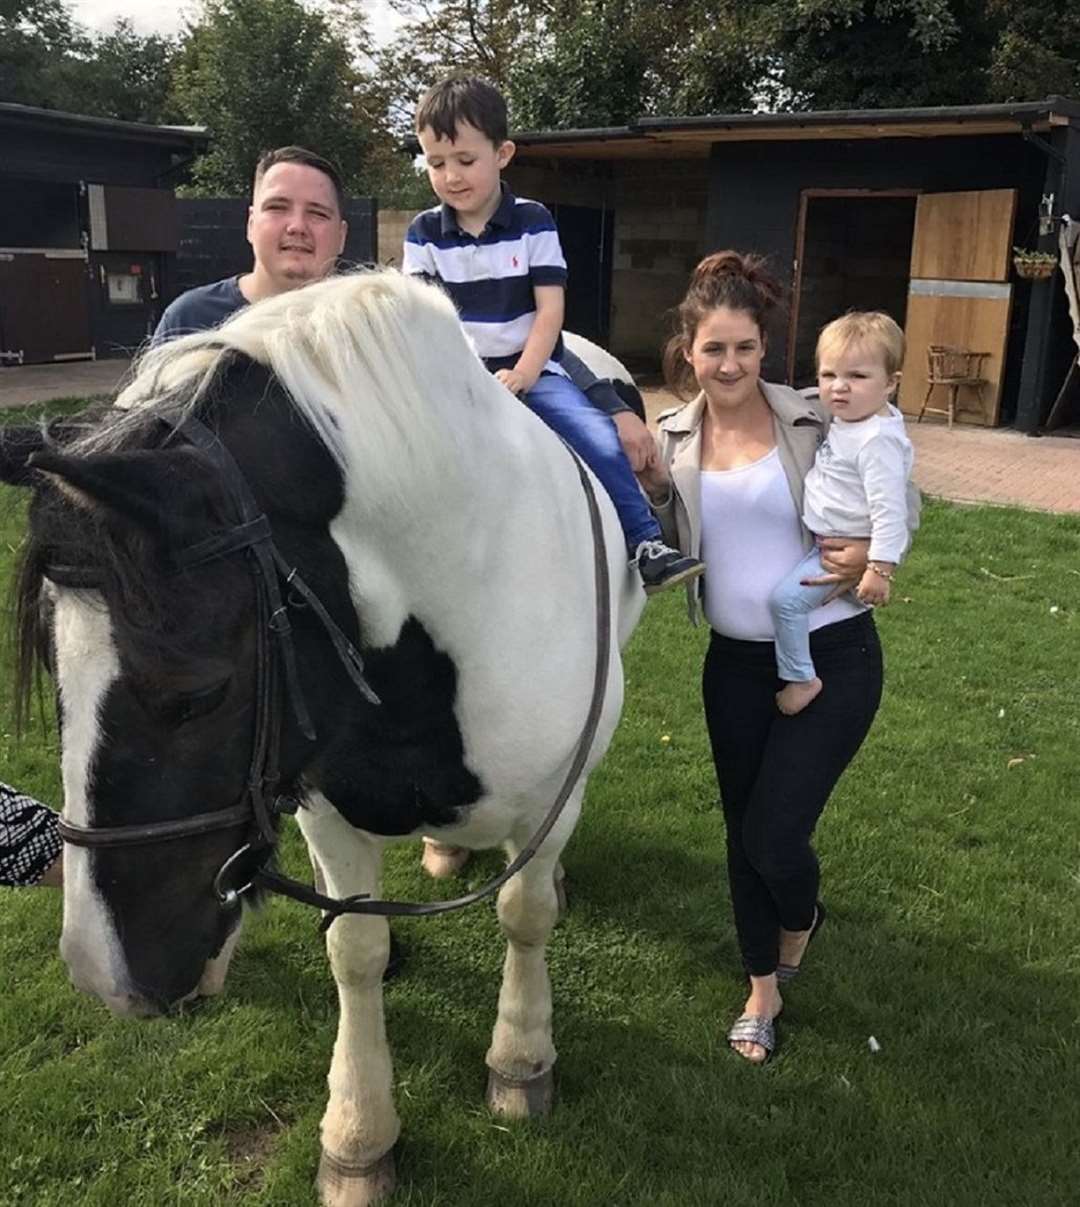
(857, 486)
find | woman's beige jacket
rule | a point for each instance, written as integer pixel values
(799, 425)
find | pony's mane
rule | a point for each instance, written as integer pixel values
(377, 363)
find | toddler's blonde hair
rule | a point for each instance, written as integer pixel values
(871, 328)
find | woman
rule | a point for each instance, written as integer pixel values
(728, 489)
(30, 844)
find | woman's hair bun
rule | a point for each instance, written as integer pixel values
(731, 272)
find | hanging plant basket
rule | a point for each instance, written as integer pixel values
(1034, 265)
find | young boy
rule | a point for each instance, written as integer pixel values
(498, 256)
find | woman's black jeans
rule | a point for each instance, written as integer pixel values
(776, 772)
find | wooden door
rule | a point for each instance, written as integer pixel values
(960, 293)
(44, 309)
(585, 233)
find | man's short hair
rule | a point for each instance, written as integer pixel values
(459, 99)
(309, 159)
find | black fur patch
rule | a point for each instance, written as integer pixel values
(397, 767)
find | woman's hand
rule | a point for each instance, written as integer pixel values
(844, 560)
(636, 439)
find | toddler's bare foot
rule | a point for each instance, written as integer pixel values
(796, 696)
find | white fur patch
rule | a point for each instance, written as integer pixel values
(86, 665)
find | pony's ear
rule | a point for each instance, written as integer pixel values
(161, 490)
(17, 446)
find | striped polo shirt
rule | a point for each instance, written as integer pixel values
(491, 276)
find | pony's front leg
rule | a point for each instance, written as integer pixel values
(360, 1126)
(521, 1081)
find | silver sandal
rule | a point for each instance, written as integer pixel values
(754, 1029)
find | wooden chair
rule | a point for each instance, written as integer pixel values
(956, 368)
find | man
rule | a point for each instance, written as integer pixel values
(296, 231)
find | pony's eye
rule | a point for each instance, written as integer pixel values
(179, 709)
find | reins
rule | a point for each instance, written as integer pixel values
(276, 661)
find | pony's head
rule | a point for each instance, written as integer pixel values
(155, 660)
(154, 668)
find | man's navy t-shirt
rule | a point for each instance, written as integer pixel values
(199, 309)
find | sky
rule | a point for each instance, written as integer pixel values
(149, 16)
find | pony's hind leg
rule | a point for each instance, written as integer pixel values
(521, 1058)
(360, 1125)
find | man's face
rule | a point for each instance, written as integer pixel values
(294, 226)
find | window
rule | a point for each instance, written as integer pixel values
(123, 289)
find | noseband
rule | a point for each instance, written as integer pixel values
(275, 659)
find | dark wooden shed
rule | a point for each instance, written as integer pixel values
(914, 211)
(88, 231)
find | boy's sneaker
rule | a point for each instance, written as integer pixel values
(661, 566)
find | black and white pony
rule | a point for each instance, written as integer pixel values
(445, 531)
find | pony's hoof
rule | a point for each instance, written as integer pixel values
(442, 860)
(521, 1097)
(346, 1184)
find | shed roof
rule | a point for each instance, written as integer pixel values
(185, 138)
(693, 137)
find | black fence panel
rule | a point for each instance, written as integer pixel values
(213, 243)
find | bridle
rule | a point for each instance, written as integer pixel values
(276, 675)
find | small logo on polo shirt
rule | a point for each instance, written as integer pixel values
(513, 260)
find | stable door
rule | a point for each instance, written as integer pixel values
(959, 294)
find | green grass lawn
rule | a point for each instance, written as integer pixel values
(951, 856)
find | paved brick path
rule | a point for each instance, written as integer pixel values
(19, 387)
(970, 465)
(976, 465)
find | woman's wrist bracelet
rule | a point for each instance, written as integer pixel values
(887, 575)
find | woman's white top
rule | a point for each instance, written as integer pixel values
(857, 485)
(751, 537)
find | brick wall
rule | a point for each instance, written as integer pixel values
(392, 227)
(659, 237)
(659, 208)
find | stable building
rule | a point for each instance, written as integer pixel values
(88, 231)
(912, 211)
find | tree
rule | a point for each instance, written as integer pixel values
(566, 63)
(1037, 52)
(873, 54)
(264, 73)
(38, 41)
(128, 76)
(606, 62)
(47, 60)
(441, 36)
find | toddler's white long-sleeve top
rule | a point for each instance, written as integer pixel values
(857, 485)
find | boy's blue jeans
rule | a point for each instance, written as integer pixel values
(593, 436)
(791, 604)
